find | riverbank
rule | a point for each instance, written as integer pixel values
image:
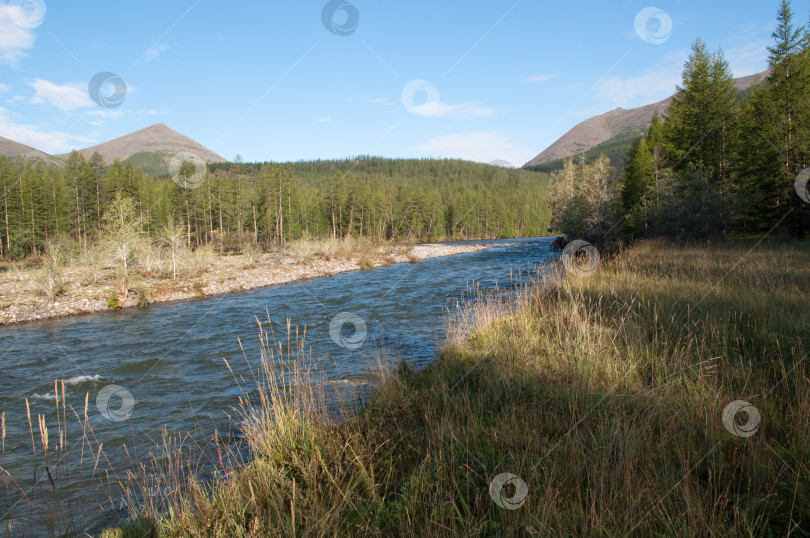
(600, 405)
(23, 296)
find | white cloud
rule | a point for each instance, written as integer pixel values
(481, 146)
(748, 59)
(649, 87)
(14, 39)
(4, 88)
(106, 114)
(66, 97)
(154, 52)
(466, 110)
(47, 141)
(660, 82)
(100, 116)
(541, 78)
(324, 120)
(151, 112)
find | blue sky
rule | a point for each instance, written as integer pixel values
(478, 80)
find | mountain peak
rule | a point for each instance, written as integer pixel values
(157, 138)
(160, 126)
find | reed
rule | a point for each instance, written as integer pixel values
(40, 499)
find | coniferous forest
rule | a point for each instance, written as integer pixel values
(717, 163)
(269, 203)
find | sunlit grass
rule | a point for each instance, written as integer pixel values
(604, 394)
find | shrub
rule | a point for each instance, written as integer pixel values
(197, 262)
(252, 252)
(366, 264)
(51, 279)
(94, 258)
(143, 297)
(113, 301)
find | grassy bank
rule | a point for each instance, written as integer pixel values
(603, 394)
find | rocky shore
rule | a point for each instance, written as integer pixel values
(22, 299)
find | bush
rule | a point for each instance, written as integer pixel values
(252, 252)
(95, 258)
(197, 262)
(51, 279)
(150, 258)
(143, 297)
(113, 301)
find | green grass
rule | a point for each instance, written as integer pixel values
(604, 394)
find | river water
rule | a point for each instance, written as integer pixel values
(144, 370)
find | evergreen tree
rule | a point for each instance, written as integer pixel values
(700, 135)
(788, 83)
(700, 122)
(639, 176)
(775, 133)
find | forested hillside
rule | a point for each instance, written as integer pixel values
(616, 147)
(269, 203)
(720, 162)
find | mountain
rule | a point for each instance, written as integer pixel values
(616, 124)
(502, 163)
(151, 148)
(155, 139)
(11, 148)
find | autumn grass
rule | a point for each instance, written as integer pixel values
(604, 394)
(65, 456)
(347, 247)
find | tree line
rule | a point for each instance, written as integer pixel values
(719, 161)
(269, 203)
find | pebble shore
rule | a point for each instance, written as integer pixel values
(21, 300)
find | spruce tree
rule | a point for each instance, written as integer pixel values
(639, 175)
(700, 121)
(775, 133)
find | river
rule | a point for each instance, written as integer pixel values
(144, 370)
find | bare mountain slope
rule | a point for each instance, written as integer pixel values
(154, 139)
(598, 129)
(11, 148)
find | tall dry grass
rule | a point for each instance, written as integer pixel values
(65, 456)
(603, 394)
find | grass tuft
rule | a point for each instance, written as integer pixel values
(366, 264)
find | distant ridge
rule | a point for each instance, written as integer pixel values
(157, 138)
(151, 148)
(11, 148)
(617, 122)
